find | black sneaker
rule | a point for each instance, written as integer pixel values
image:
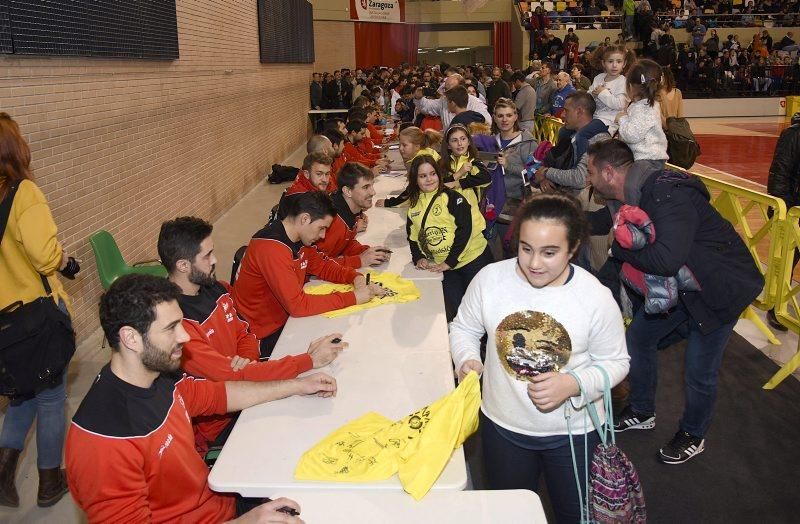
(773, 321)
(681, 448)
(629, 419)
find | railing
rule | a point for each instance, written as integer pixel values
(787, 309)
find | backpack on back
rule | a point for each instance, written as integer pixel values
(682, 147)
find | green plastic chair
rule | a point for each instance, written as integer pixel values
(111, 265)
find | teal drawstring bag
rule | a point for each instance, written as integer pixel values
(613, 490)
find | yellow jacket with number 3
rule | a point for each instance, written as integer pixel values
(453, 229)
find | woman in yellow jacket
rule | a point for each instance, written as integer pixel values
(414, 142)
(463, 171)
(443, 233)
(29, 250)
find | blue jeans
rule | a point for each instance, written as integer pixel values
(703, 358)
(48, 409)
(512, 466)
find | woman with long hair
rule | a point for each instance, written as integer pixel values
(444, 234)
(29, 253)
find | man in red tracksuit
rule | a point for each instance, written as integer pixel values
(315, 175)
(356, 189)
(338, 141)
(130, 448)
(269, 287)
(356, 131)
(221, 346)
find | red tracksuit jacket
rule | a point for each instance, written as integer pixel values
(269, 287)
(130, 452)
(340, 241)
(302, 184)
(217, 334)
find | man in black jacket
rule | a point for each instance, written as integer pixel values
(784, 181)
(689, 232)
(316, 92)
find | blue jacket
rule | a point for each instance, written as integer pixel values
(692, 233)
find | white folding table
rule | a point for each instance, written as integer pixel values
(437, 507)
(398, 361)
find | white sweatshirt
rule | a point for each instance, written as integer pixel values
(610, 101)
(586, 311)
(641, 130)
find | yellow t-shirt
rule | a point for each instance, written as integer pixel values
(399, 290)
(29, 248)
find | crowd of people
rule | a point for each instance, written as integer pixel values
(703, 61)
(505, 219)
(631, 14)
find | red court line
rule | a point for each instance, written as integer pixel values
(744, 156)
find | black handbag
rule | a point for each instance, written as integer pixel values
(36, 339)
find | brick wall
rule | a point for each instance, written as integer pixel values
(123, 145)
(334, 46)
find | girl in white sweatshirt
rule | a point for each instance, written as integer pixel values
(640, 124)
(544, 317)
(608, 88)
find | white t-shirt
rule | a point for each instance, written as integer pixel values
(581, 312)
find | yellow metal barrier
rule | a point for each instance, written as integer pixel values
(787, 309)
(749, 211)
(546, 128)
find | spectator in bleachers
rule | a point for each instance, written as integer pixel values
(712, 44)
(787, 43)
(698, 33)
(758, 76)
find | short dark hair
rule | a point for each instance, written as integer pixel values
(518, 76)
(180, 239)
(332, 123)
(355, 126)
(334, 135)
(131, 301)
(584, 100)
(317, 204)
(356, 113)
(554, 206)
(316, 158)
(458, 95)
(351, 172)
(611, 152)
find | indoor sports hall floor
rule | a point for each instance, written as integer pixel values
(738, 150)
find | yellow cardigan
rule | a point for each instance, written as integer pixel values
(29, 248)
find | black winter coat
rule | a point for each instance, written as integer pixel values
(784, 172)
(689, 231)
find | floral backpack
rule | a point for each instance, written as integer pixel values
(613, 491)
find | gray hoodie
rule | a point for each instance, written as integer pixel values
(517, 153)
